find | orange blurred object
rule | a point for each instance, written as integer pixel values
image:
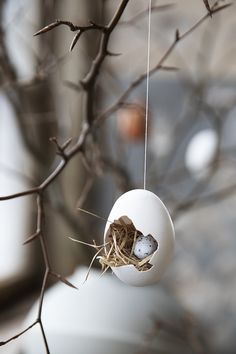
(131, 122)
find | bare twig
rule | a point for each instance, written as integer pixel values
(18, 334)
(74, 28)
(61, 148)
(159, 66)
(90, 79)
(88, 84)
(206, 3)
(60, 167)
(39, 234)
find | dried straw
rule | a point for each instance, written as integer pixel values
(119, 249)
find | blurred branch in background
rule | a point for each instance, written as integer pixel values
(189, 332)
(84, 146)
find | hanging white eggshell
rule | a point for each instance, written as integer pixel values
(201, 152)
(150, 216)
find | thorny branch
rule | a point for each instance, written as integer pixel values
(206, 3)
(88, 85)
(159, 66)
(67, 152)
(74, 28)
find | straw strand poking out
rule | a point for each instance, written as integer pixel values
(118, 250)
(120, 243)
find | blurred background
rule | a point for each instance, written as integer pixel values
(191, 149)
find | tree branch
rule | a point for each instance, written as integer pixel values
(159, 66)
(74, 28)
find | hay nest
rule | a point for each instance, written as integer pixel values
(120, 243)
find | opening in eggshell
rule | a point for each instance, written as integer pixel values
(125, 245)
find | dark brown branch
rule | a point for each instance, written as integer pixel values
(91, 76)
(78, 147)
(88, 83)
(206, 3)
(40, 220)
(48, 270)
(57, 23)
(75, 40)
(18, 334)
(20, 194)
(74, 28)
(90, 79)
(44, 337)
(214, 10)
(40, 235)
(45, 278)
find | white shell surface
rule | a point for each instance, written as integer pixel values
(201, 152)
(150, 216)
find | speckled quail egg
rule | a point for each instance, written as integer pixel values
(144, 246)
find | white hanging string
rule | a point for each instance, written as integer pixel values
(147, 95)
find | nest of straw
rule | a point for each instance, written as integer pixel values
(120, 243)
